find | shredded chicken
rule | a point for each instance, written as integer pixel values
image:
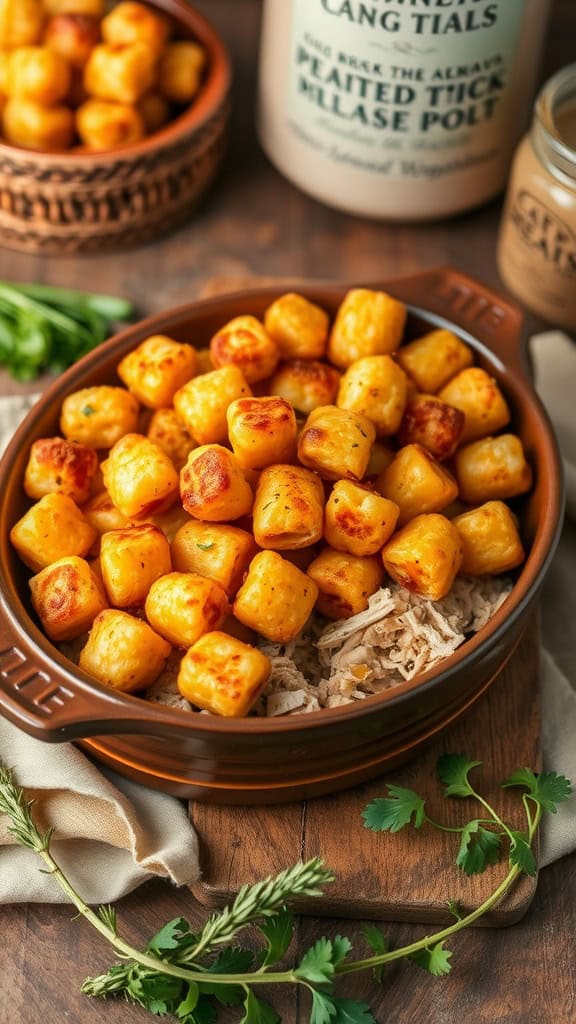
(398, 637)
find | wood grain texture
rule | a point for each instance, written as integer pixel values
(409, 876)
(256, 223)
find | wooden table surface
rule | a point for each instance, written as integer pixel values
(256, 223)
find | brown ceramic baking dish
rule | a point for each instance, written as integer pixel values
(269, 760)
(86, 202)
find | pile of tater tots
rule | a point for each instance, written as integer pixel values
(87, 75)
(225, 493)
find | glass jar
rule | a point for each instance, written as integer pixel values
(537, 245)
(398, 109)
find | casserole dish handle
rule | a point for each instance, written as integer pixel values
(67, 707)
(472, 306)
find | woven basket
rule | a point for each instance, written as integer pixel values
(86, 202)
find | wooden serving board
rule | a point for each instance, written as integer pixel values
(404, 877)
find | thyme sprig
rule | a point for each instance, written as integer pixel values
(191, 975)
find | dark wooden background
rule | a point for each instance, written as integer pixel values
(256, 223)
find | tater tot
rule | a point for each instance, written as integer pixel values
(433, 424)
(51, 529)
(306, 384)
(276, 598)
(183, 606)
(417, 483)
(244, 342)
(345, 582)
(376, 387)
(102, 514)
(223, 675)
(262, 431)
(213, 487)
(156, 369)
(180, 71)
(220, 552)
(492, 468)
(105, 125)
(434, 358)
(38, 74)
(67, 596)
(20, 23)
(73, 36)
(129, 23)
(298, 326)
(32, 126)
(123, 652)
(139, 477)
(203, 402)
(131, 560)
(358, 520)
(336, 443)
(425, 555)
(99, 416)
(120, 74)
(167, 430)
(288, 508)
(368, 323)
(59, 466)
(490, 540)
(478, 396)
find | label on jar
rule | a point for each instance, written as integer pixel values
(409, 89)
(543, 233)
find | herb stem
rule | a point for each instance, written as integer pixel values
(496, 817)
(446, 828)
(428, 940)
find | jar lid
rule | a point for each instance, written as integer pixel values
(556, 95)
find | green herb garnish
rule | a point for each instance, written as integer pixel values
(191, 975)
(45, 328)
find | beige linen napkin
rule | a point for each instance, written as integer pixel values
(554, 361)
(114, 834)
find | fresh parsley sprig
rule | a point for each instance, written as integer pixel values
(191, 975)
(480, 847)
(42, 327)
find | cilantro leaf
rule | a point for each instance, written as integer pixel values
(317, 964)
(521, 855)
(478, 849)
(203, 1013)
(349, 1011)
(156, 992)
(378, 943)
(277, 931)
(323, 1010)
(341, 946)
(327, 1009)
(452, 770)
(258, 1012)
(435, 960)
(232, 960)
(189, 1003)
(169, 937)
(546, 788)
(391, 813)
